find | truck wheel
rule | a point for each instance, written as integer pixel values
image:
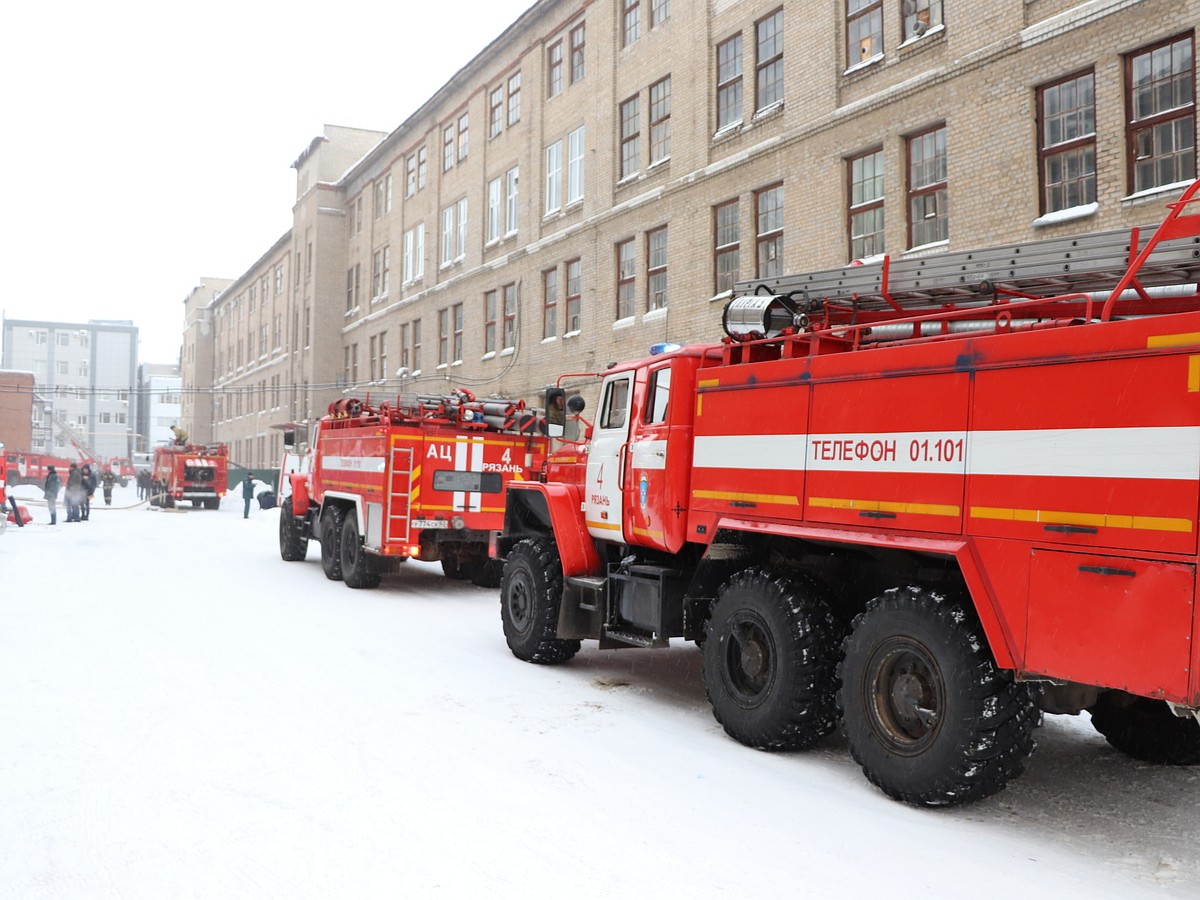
(529, 601)
(770, 652)
(293, 542)
(332, 519)
(926, 713)
(451, 560)
(1147, 729)
(355, 558)
(212, 502)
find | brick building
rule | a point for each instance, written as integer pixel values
(594, 179)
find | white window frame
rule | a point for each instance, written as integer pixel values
(575, 157)
(554, 177)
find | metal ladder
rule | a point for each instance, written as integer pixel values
(399, 489)
(1051, 267)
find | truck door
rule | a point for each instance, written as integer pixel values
(607, 460)
(660, 448)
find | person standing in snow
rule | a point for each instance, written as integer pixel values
(106, 484)
(88, 484)
(51, 488)
(74, 492)
(248, 493)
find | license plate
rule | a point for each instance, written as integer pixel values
(430, 523)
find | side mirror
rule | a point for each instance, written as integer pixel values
(556, 412)
(289, 439)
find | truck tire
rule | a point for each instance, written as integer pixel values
(332, 519)
(529, 599)
(1147, 729)
(926, 713)
(451, 560)
(212, 502)
(355, 559)
(293, 541)
(770, 654)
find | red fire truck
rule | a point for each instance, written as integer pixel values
(423, 478)
(196, 472)
(926, 499)
(23, 467)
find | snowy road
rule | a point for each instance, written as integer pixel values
(182, 715)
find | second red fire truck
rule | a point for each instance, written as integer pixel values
(423, 478)
(195, 472)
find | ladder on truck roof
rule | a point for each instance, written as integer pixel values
(1044, 268)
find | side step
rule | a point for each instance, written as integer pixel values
(633, 639)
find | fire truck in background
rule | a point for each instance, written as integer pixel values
(22, 467)
(196, 472)
(926, 499)
(423, 478)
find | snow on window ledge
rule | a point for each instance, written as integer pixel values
(491, 354)
(908, 42)
(927, 248)
(457, 362)
(508, 351)
(550, 340)
(866, 63)
(627, 322)
(572, 334)
(659, 162)
(724, 295)
(655, 315)
(1066, 215)
(727, 131)
(767, 111)
(1176, 189)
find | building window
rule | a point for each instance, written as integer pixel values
(575, 156)
(379, 193)
(380, 264)
(626, 278)
(405, 357)
(414, 253)
(578, 62)
(769, 61)
(768, 205)
(450, 334)
(729, 82)
(554, 69)
(422, 168)
(549, 303)
(489, 321)
(554, 177)
(454, 232)
(656, 269)
(279, 272)
(352, 287)
(448, 147)
(660, 120)
(493, 210)
(511, 205)
(864, 30)
(62, 339)
(1161, 101)
(410, 176)
(920, 16)
(660, 11)
(463, 124)
(514, 99)
(866, 204)
(629, 137)
(727, 244)
(496, 112)
(631, 22)
(1067, 126)
(509, 293)
(928, 213)
(574, 299)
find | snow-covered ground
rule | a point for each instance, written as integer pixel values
(184, 715)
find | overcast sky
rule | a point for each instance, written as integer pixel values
(145, 146)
